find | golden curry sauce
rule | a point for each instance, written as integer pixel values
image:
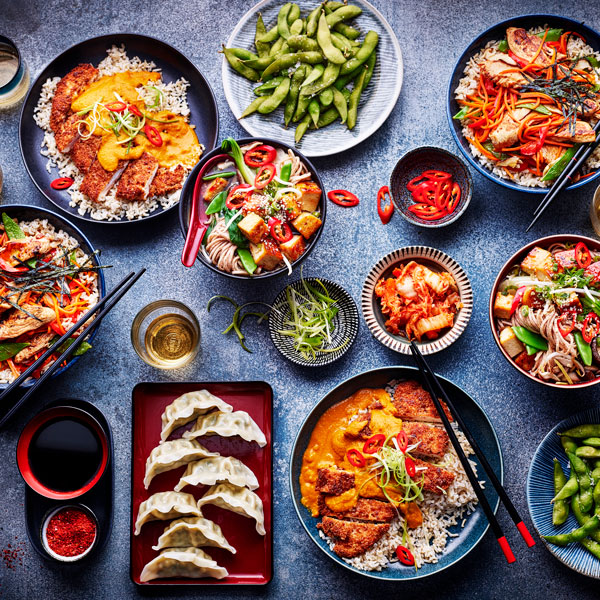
(179, 141)
(334, 434)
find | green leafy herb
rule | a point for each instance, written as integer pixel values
(8, 350)
(13, 231)
(235, 235)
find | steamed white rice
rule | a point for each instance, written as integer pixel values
(174, 99)
(468, 85)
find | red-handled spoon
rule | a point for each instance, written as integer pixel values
(198, 223)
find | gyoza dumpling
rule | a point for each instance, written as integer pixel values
(193, 532)
(166, 505)
(238, 500)
(227, 425)
(170, 455)
(182, 562)
(218, 470)
(188, 407)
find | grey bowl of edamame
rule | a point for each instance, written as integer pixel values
(343, 102)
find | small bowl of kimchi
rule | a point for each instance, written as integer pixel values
(417, 293)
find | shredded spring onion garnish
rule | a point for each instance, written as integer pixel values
(157, 96)
(310, 314)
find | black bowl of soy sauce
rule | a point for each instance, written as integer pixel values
(62, 452)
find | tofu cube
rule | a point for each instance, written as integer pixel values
(509, 341)
(571, 301)
(253, 227)
(307, 224)
(565, 259)
(311, 194)
(502, 305)
(293, 249)
(291, 204)
(266, 254)
(539, 264)
(593, 271)
(218, 185)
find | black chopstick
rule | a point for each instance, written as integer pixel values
(432, 383)
(108, 302)
(579, 158)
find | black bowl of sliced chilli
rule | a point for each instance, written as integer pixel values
(30, 213)
(173, 66)
(185, 206)
(344, 327)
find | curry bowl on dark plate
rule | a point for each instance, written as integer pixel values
(173, 65)
(475, 525)
(498, 33)
(434, 260)
(412, 165)
(29, 213)
(520, 302)
(207, 163)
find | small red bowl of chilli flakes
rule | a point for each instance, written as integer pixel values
(431, 187)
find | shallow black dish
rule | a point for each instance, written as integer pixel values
(185, 206)
(29, 213)
(99, 499)
(173, 64)
(345, 324)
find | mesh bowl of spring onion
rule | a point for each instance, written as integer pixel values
(431, 187)
(313, 322)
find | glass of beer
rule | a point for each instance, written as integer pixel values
(14, 75)
(166, 334)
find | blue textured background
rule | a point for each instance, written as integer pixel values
(432, 36)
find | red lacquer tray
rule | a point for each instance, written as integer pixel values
(253, 563)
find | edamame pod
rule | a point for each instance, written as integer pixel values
(560, 510)
(278, 96)
(370, 43)
(292, 97)
(282, 21)
(354, 99)
(570, 488)
(591, 441)
(342, 44)
(334, 5)
(260, 64)
(347, 31)
(314, 110)
(344, 13)
(370, 66)
(585, 481)
(294, 13)
(303, 43)
(243, 54)
(288, 60)
(302, 128)
(277, 46)
(327, 118)
(596, 496)
(262, 48)
(587, 452)
(270, 36)
(568, 443)
(332, 54)
(326, 97)
(316, 72)
(339, 101)
(576, 535)
(312, 21)
(583, 431)
(253, 106)
(297, 27)
(330, 74)
(238, 66)
(267, 88)
(583, 518)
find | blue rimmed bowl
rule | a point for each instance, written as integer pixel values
(540, 491)
(476, 524)
(498, 32)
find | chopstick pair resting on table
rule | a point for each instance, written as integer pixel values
(9, 400)
(435, 389)
(579, 158)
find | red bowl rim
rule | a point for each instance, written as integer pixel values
(544, 242)
(25, 440)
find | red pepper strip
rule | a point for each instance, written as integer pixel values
(566, 323)
(517, 299)
(237, 196)
(591, 327)
(5, 266)
(259, 156)
(385, 214)
(132, 108)
(343, 198)
(489, 86)
(116, 106)
(455, 195)
(435, 174)
(534, 147)
(264, 176)
(355, 458)
(58, 329)
(412, 185)
(374, 443)
(62, 183)
(405, 556)
(519, 61)
(402, 440)
(153, 135)
(582, 255)
(411, 468)
(478, 123)
(281, 232)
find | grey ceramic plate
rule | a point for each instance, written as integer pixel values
(476, 524)
(437, 261)
(377, 102)
(540, 491)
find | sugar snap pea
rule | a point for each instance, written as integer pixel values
(316, 72)
(370, 43)
(347, 30)
(287, 60)
(339, 101)
(314, 110)
(303, 43)
(267, 88)
(297, 27)
(585, 481)
(330, 74)
(326, 97)
(560, 509)
(312, 21)
(576, 535)
(302, 128)
(238, 66)
(591, 441)
(253, 106)
(354, 99)
(332, 54)
(262, 48)
(282, 21)
(292, 97)
(344, 13)
(278, 96)
(587, 452)
(583, 431)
